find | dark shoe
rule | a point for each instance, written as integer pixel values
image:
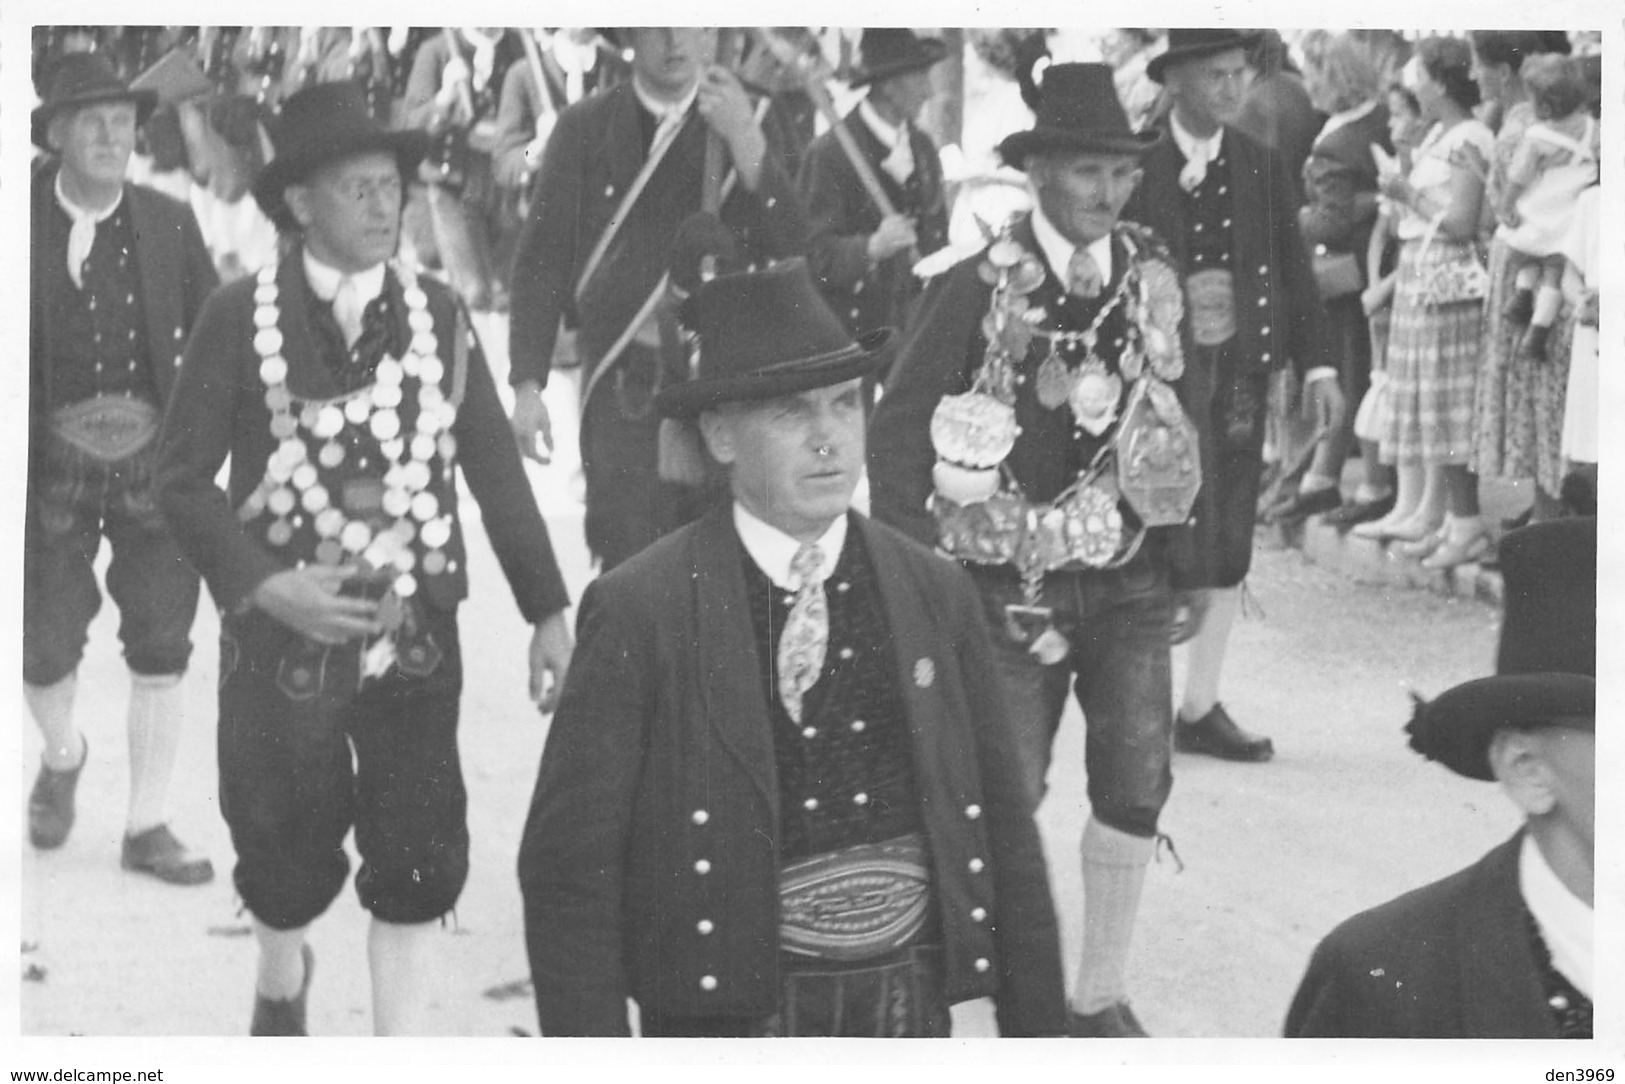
(1113, 1022)
(278, 1016)
(1520, 307)
(1532, 347)
(1217, 735)
(50, 804)
(157, 852)
(1300, 506)
(1348, 515)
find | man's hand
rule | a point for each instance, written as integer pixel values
(307, 600)
(1190, 610)
(530, 420)
(550, 649)
(723, 103)
(1323, 404)
(895, 234)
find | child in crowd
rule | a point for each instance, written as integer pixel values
(1555, 162)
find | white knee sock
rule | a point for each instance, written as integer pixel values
(1114, 865)
(400, 958)
(1207, 649)
(281, 965)
(157, 705)
(52, 708)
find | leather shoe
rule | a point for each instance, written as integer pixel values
(284, 1016)
(1300, 506)
(158, 853)
(1348, 515)
(1217, 735)
(50, 804)
(1113, 1022)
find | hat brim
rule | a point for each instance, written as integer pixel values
(693, 397)
(1017, 148)
(407, 145)
(931, 53)
(40, 120)
(1159, 63)
(1456, 728)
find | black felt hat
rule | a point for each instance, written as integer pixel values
(1546, 667)
(1194, 44)
(322, 124)
(887, 51)
(761, 334)
(1077, 110)
(85, 79)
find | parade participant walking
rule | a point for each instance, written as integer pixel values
(346, 392)
(118, 276)
(1227, 207)
(1062, 463)
(621, 171)
(863, 260)
(1503, 948)
(779, 796)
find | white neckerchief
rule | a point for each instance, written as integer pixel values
(899, 160)
(82, 236)
(1058, 250)
(1345, 118)
(485, 54)
(1565, 920)
(773, 550)
(1198, 152)
(576, 59)
(327, 280)
(670, 113)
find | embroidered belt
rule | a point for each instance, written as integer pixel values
(106, 428)
(856, 903)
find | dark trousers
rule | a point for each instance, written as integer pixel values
(899, 996)
(305, 754)
(1119, 667)
(1229, 400)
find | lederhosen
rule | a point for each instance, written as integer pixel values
(860, 950)
(292, 710)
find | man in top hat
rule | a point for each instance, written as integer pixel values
(1503, 948)
(346, 391)
(118, 277)
(779, 796)
(622, 170)
(862, 258)
(1228, 209)
(1056, 464)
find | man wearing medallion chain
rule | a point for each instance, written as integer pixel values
(1066, 327)
(118, 276)
(346, 392)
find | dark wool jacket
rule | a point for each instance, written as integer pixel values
(661, 755)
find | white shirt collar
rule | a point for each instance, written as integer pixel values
(883, 129)
(773, 550)
(1058, 250)
(661, 108)
(1565, 920)
(1192, 147)
(1345, 118)
(78, 213)
(325, 278)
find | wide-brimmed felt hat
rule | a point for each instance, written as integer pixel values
(1077, 110)
(884, 52)
(1194, 44)
(762, 334)
(85, 79)
(1546, 666)
(322, 124)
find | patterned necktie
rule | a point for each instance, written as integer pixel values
(347, 310)
(1083, 275)
(806, 631)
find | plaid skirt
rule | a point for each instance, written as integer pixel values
(1432, 365)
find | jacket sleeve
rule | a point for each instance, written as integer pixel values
(198, 275)
(549, 252)
(932, 362)
(1325, 1005)
(516, 125)
(1295, 274)
(417, 104)
(572, 858)
(1330, 216)
(771, 221)
(837, 246)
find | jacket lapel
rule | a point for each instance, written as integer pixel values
(308, 378)
(623, 149)
(1500, 985)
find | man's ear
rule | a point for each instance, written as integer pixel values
(297, 197)
(1518, 761)
(717, 427)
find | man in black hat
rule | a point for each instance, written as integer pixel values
(1228, 209)
(346, 392)
(779, 796)
(118, 276)
(1032, 429)
(863, 260)
(1503, 948)
(621, 171)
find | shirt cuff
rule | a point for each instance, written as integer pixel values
(1319, 372)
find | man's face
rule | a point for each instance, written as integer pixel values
(1493, 79)
(669, 59)
(1209, 91)
(351, 210)
(907, 92)
(795, 461)
(95, 141)
(1082, 194)
(1571, 757)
